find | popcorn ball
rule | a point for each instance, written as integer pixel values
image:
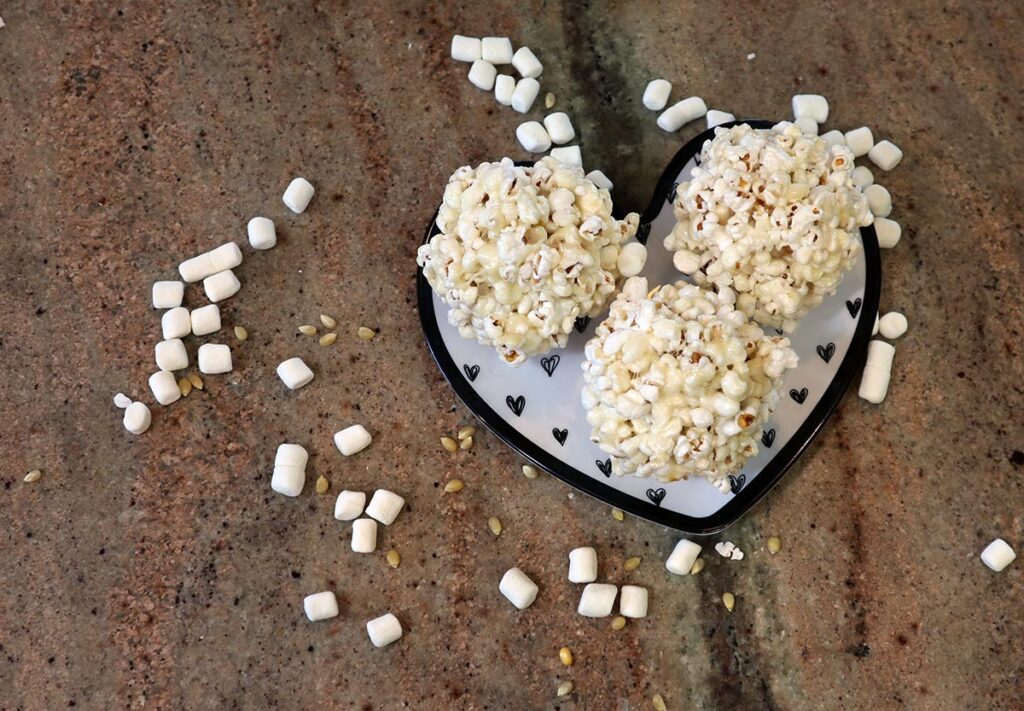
(522, 253)
(773, 215)
(679, 382)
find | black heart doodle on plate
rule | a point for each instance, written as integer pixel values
(853, 306)
(656, 495)
(581, 323)
(643, 231)
(605, 466)
(826, 352)
(798, 395)
(550, 363)
(768, 437)
(516, 405)
(560, 435)
(471, 371)
(736, 482)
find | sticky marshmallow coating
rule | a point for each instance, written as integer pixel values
(678, 382)
(772, 214)
(522, 253)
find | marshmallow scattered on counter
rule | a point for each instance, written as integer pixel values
(582, 565)
(164, 387)
(297, 195)
(482, 75)
(349, 505)
(320, 606)
(289, 469)
(171, 355)
(226, 256)
(885, 155)
(632, 259)
(137, 418)
(352, 439)
(533, 137)
(384, 630)
(717, 118)
(834, 138)
(121, 401)
(656, 94)
(524, 94)
(597, 600)
(168, 294)
(862, 176)
(570, 155)
(879, 200)
(221, 285)
(518, 588)
(175, 323)
(599, 179)
(364, 535)
(892, 325)
(504, 85)
(294, 373)
(806, 124)
(526, 63)
(466, 49)
(727, 549)
(262, 234)
(813, 106)
(888, 232)
(496, 50)
(633, 601)
(682, 558)
(874, 383)
(997, 555)
(385, 506)
(681, 113)
(559, 127)
(859, 141)
(214, 359)
(205, 320)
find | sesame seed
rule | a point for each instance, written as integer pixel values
(618, 515)
(774, 545)
(184, 387)
(366, 333)
(495, 525)
(658, 702)
(328, 338)
(549, 100)
(564, 689)
(322, 485)
(729, 600)
(449, 444)
(530, 472)
(467, 431)
(393, 558)
(307, 330)
(32, 476)
(698, 565)
(618, 623)
(632, 564)
(328, 321)
(453, 486)
(565, 655)
(240, 333)
(197, 382)
(466, 443)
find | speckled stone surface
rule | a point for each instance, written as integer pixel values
(161, 572)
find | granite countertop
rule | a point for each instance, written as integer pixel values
(161, 572)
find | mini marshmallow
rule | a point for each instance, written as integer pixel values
(518, 588)
(633, 601)
(137, 418)
(806, 124)
(384, 630)
(205, 320)
(582, 565)
(288, 480)
(298, 194)
(656, 94)
(885, 155)
(164, 387)
(524, 94)
(834, 138)
(559, 127)
(879, 200)
(221, 285)
(349, 505)
(226, 256)
(294, 373)
(262, 234)
(214, 359)
(570, 155)
(320, 606)
(496, 50)
(533, 137)
(632, 259)
(813, 106)
(171, 355)
(504, 85)
(892, 325)
(526, 63)
(874, 382)
(175, 323)
(862, 176)
(385, 506)
(681, 113)
(859, 141)
(482, 74)
(715, 117)
(352, 439)
(597, 600)
(599, 179)
(121, 401)
(888, 231)
(682, 558)
(364, 535)
(466, 49)
(167, 294)
(291, 455)
(997, 555)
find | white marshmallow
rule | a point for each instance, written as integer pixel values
(600, 180)
(262, 234)
(352, 439)
(533, 137)
(518, 588)
(888, 232)
(874, 382)
(633, 601)
(570, 155)
(632, 259)
(862, 176)
(834, 138)
(288, 479)
(597, 600)
(806, 124)
(681, 113)
(171, 355)
(582, 565)
(298, 194)
(466, 49)
(221, 285)
(121, 401)
(879, 200)
(167, 294)
(559, 127)
(349, 505)
(385, 506)
(813, 106)
(859, 141)
(384, 630)
(320, 606)
(524, 94)
(291, 455)
(205, 320)
(175, 323)
(164, 387)
(892, 325)
(214, 359)
(496, 50)
(885, 155)
(294, 373)
(482, 75)
(682, 558)
(997, 555)
(226, 256)
(504, 85)
(137, 418)
(715, 117)
(526, 63)
(364, 535)
(656, 94)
